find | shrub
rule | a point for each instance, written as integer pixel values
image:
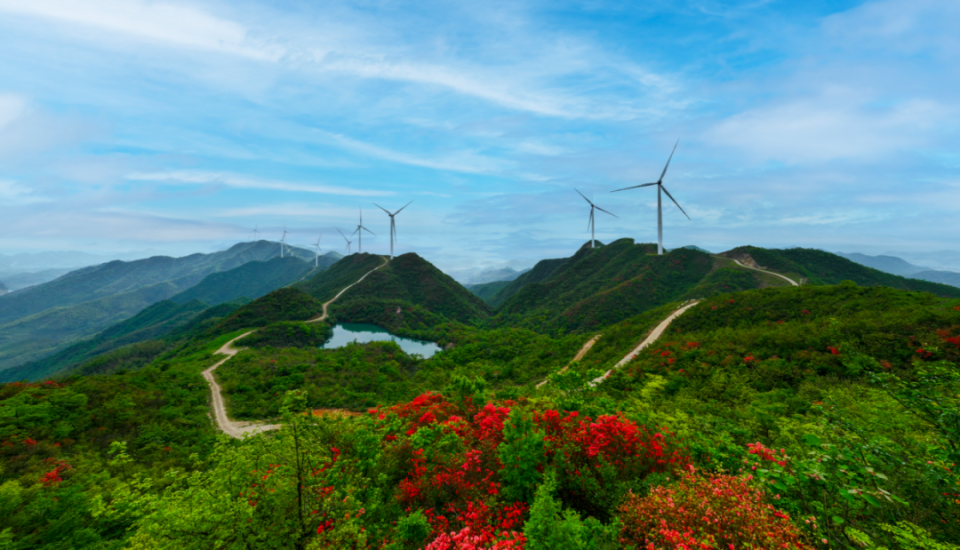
(716, 511)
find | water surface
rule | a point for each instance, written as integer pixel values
(362, 333)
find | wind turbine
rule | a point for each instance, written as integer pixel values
(349, 242)
(660, 187)
(282, 239)
(393, 224)
(256, 233)
(593, 207)
(359, 231)
(316, 261)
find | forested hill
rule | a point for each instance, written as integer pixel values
(325, 285)
(604, 285)
(251, 280)
(406, 281)
(818, 267)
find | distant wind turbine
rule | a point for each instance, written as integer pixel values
(359, 231)
(393, 224)
(256, 233)
(316, 261)
(593, 243)
(282, 239)
(660, 187)
(349, 242)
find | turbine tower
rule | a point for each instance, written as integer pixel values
(256, 233)
(660, 187)
(349, 242)
(593, 243)
(359, 231)
(393, 224)
(282, 239)
(316, 261)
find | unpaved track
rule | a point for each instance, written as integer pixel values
(227, 426)
(334, 299)
(239, 429)
(583, 351)
(651, 338)
(787, 279)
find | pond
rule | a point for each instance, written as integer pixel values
(362, 333)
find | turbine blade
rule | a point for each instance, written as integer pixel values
(404, 206)
(602, 210)
(668, 161)
(365, 229)
(582, 195)
(382, 208)
(674, 201)
(634, 187)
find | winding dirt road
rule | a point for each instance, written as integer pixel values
(323, 317)
(787, 279)
(240, 429)
(651, 338)
(227, 426)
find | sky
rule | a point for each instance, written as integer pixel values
(179, 127)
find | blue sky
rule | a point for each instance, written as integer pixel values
(179, 126)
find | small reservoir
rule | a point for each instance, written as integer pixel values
(363, 333)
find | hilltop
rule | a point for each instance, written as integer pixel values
(818, 267)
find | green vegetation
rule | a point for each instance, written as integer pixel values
(286, 304)
(288, 334)
(820, 416)
(251, 280)
(819, 267)
(411, 279)
(488, 291)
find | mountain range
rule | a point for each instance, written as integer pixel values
(899, 266)
(38, 321)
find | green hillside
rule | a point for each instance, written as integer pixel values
(487, 291)
(819, 267)
(285, 304)
(326, 284)
(251, 280)
(540, 272)
(604, 285)
(158, 325)
(37, 336)
(411, 279)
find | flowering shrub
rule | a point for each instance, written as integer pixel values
(719, 511)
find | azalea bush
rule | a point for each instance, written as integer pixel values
(707, 511)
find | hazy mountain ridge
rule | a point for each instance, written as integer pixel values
(898, 266)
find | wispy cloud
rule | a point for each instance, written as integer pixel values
(241, 182)
(174, 24)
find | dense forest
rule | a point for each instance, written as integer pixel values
(766, 416)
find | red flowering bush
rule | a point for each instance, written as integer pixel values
(707, 512)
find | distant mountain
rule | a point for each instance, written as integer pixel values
(3, 288)
(941, 260)
(487, 291)
(17, 280)
(477, 276)
(38, 321)
(251, 280)
(951, 278)
(65, 259)
(887, 264)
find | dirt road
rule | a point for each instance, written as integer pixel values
(227, 426)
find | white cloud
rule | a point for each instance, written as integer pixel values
(13, 193)
(12, 107)
(154, 21)
(823, 129)
(230, 180)
(462, 161)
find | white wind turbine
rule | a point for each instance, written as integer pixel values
(282, 239)
(316, 260)
(349, 242)
(593, 243)
(393, 224)
(256, 233)
(660, 187)
(359, 231)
